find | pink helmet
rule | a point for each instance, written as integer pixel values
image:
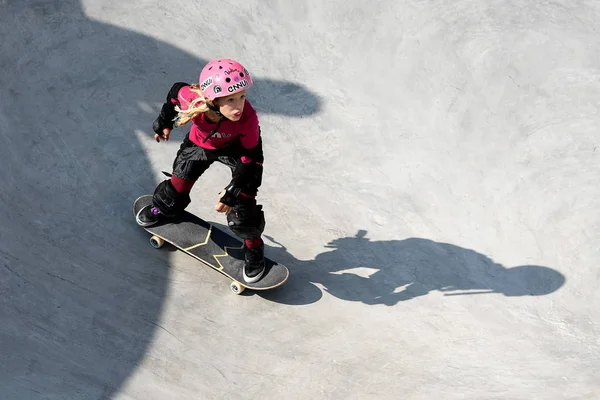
(222, 77)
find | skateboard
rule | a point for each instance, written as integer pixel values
(212, 246)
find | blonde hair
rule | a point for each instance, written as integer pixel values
(198, 106)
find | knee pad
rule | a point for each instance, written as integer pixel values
(168, 200)
(247, 220)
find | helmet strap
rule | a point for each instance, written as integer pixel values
(214, 108)
(214, 130)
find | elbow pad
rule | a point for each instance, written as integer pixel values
(167, 112)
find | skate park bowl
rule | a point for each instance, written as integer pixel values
(430, 180)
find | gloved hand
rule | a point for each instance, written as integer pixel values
(160, 132)
(228, 199)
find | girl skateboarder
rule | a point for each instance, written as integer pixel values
(224, 128)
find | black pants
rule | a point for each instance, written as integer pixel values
(192, 161)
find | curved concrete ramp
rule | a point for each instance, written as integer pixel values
(431, 181)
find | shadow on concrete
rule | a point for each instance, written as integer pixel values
(388, 272)
(81, 293)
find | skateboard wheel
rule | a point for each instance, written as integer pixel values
(156, 242)
(236, 287)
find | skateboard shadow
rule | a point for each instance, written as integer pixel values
(81, 291)
(387, 272)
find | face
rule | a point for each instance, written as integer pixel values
(232, 106)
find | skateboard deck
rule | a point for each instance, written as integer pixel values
(213, 247)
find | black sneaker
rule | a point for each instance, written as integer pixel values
(255, 263)
(147, 216)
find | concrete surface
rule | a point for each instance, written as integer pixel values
(431, 181)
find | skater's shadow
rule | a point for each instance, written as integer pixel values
(388, 272)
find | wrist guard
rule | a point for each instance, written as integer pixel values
(231, 195)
